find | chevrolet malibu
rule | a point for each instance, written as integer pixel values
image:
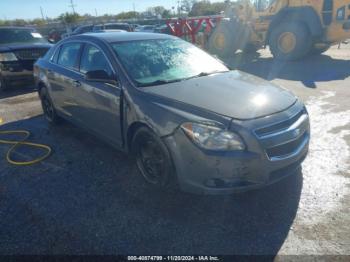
(186, 118)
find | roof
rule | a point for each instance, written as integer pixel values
(111, 37)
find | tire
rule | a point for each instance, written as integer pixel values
(290, 41)
(153, 159)
(227, 38)
(48, 107)
(3, 85)
(317, 51)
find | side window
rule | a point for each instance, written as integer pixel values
(68, 55)
(93, 59)
(55, 56)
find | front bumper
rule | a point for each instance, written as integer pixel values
(17, 72)
(229, 172)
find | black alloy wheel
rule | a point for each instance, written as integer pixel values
(152, 158)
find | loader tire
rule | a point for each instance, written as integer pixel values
(290, 41)
(227, 38)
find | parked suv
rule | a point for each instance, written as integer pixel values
(20, 47)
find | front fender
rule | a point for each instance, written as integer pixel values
(163, 115)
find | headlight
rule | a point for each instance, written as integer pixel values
(8, 56)
(212, 137)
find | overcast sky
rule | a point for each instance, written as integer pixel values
(28, 9)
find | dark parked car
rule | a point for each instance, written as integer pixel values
(186, 118)
(83, 29)
(79, 30)
(113, 26)
(145, 28)
(20, 47)
(162, 29)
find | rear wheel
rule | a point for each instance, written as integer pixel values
(290, 41)
(152, 158)
(48, 108)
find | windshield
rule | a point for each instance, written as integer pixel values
(165, 60)
(8, 36)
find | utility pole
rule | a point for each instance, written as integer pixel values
(134, 8)
(96, 12)
(42, 13)
(72, 5)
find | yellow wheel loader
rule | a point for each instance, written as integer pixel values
(291, 28)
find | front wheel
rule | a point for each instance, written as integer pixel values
(290, 41)
(152, 158)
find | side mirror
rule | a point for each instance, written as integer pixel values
(100, 76)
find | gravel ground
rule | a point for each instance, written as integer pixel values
(88, 198)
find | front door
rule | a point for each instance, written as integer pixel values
(98, 102)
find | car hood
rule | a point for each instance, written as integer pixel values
(19, 46)
(235, 94)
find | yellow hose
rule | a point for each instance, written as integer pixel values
(21, 142)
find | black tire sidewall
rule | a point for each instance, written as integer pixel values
(168, 177)
(44, 93)
(303, 40)
(3, 85)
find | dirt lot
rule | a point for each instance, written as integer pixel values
(88, 198)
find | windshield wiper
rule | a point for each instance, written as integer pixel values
(205, 74)
(158, 82)
(164, 81)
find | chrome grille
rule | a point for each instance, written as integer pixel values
(278, 126)
(287, 148)
(284, 139)
(30, 54)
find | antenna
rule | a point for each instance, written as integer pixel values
(42, 13)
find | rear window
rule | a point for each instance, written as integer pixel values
(69, 55)
(19, 35)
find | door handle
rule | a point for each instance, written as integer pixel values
(77, 83)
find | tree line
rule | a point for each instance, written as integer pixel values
(186, 8)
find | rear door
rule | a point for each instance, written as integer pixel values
(98, 102)
(63, 77)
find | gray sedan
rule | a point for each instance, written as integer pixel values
(187, 119)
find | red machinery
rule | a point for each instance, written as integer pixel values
(192, 26)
